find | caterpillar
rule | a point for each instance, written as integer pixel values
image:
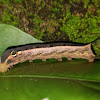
(18, 54)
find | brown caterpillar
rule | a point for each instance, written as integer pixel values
(17, 54)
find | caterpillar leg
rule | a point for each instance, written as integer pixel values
(59, 59)
(31, 60)
(43, 59)
(69, 58)
(91, 60)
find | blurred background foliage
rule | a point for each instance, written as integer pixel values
(54, 20)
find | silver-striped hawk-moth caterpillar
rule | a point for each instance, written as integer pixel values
(17, 54)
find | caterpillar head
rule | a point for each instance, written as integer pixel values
(8, 59)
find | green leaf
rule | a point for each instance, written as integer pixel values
(53, 89)
(12, 36)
